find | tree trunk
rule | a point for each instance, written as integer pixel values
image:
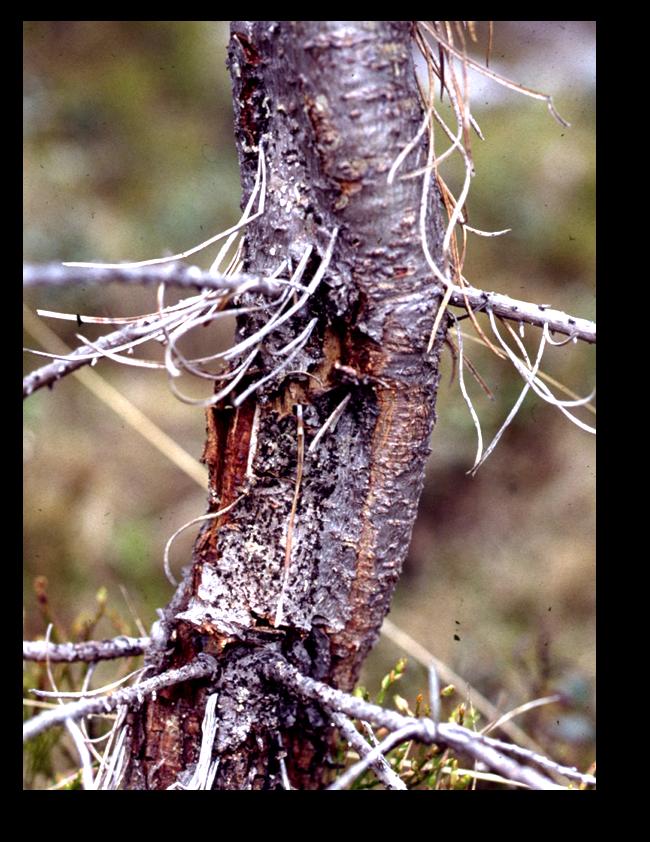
(307, 558)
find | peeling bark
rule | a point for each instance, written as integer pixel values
(333, 103)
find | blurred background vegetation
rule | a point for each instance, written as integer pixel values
(129, 154)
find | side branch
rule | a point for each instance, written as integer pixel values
(175, 274)
(204, 666)
(48, 374)
(524, 311)
(88, 650)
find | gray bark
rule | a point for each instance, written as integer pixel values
(333, 103)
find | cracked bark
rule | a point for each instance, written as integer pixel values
(333, 103)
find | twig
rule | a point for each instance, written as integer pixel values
(85, 693)
(380, 766)
(568, 771)
(258, 187)
(481, 776)
(209, 516)
(330, 422)
(374, 756)
(110, 766)
(466, 397)
(529, 374)
(154, 326)
(48, 667)
(88, 650)
(485, 71)
(203, 666)
(206, 767)
(434, 692)
(286, 783)
(534, 703)
(297, 345)
(124, 408)
(541, 374)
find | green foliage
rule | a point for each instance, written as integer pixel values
(388, 680)
(465, 715)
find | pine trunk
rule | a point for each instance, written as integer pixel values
(307, 558)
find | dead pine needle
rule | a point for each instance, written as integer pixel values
(210, 516)
(300, 447)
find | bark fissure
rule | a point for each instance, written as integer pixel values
(331, 104)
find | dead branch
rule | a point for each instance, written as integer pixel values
(204, 666)
(191, 277)
(176, 274)
(525, 311)
(88, 650)
(49, 374)
(494, 753)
